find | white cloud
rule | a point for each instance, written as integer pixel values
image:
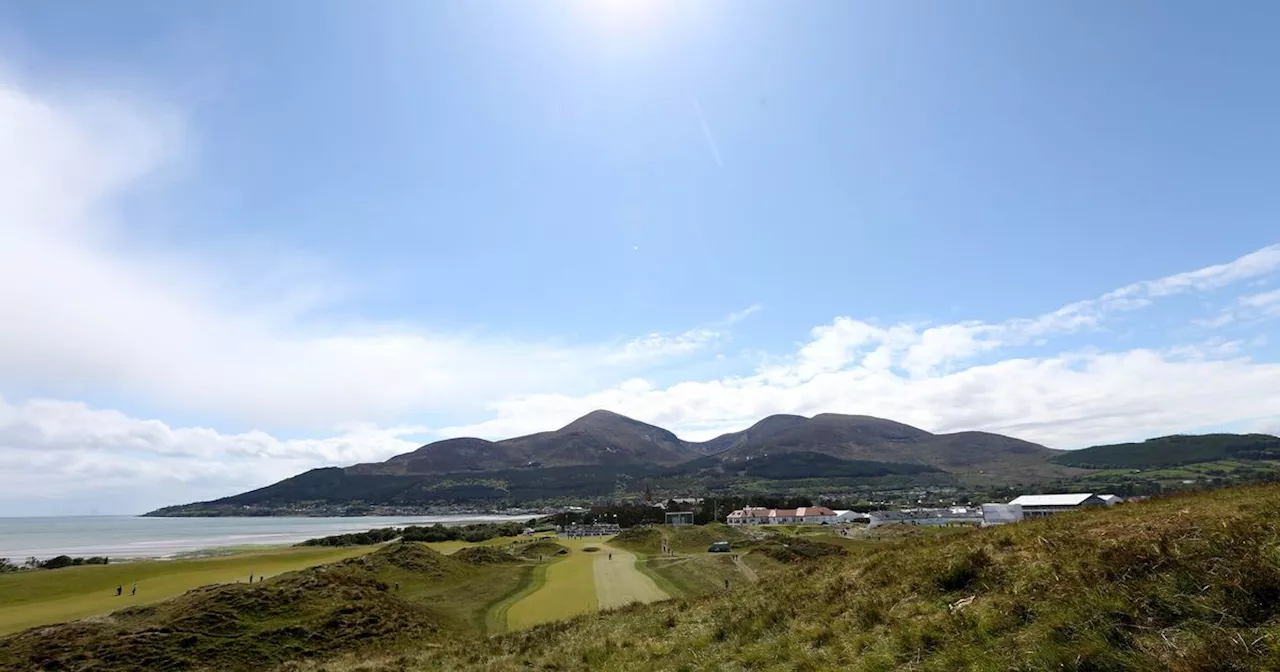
(1252, 265)
(88, 311)
(1268, 302)
(58, 450)
(925, 375)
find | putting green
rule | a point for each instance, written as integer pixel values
(28, 599)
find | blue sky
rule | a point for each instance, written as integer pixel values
(259, 238)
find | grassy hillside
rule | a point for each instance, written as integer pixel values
(1183, 583)
(1172, 451)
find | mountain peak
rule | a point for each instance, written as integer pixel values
(601, 418)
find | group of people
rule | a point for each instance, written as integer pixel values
(134, 591)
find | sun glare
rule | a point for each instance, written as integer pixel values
(623, 15)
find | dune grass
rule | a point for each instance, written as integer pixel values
(53, 596)
(448, 547)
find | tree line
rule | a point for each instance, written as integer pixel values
(57, 562)
(472, 533)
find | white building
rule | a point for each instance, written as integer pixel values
(844, 516)
(1046, 505)
(805, 515)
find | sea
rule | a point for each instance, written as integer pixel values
(137, 537)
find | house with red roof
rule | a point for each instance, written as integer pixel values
(805, 515)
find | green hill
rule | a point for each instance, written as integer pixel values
(1172, 451)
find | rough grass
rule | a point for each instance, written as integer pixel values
(541, 549)
(484, 555)
(647, 539)
(797, 549)
(1184, 583)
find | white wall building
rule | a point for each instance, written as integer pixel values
(1046, 505)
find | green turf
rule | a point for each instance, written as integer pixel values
(568, 589)
(51, 596)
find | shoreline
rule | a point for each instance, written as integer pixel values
(130, 538)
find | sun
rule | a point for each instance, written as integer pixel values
(623, 15)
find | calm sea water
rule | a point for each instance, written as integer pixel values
(134, 537)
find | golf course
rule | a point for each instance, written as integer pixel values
(354, 600)
(589, 576)
(44, 597)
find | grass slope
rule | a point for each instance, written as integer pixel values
(43, 597)
(1190, 582)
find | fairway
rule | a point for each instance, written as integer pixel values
(619, 583)
(568, 589)
(581, 583)
(42, 597)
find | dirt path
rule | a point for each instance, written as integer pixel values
(746, 571)
(618, 582)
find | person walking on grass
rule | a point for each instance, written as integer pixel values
(134, 591)
(119, 590)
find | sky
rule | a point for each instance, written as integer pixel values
(241, 239)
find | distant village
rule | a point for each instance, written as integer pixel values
(1025, 506)
(986, 515)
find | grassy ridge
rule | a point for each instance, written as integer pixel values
(1183, 583)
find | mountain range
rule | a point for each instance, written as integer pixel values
(604, 453)
(604, 438)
